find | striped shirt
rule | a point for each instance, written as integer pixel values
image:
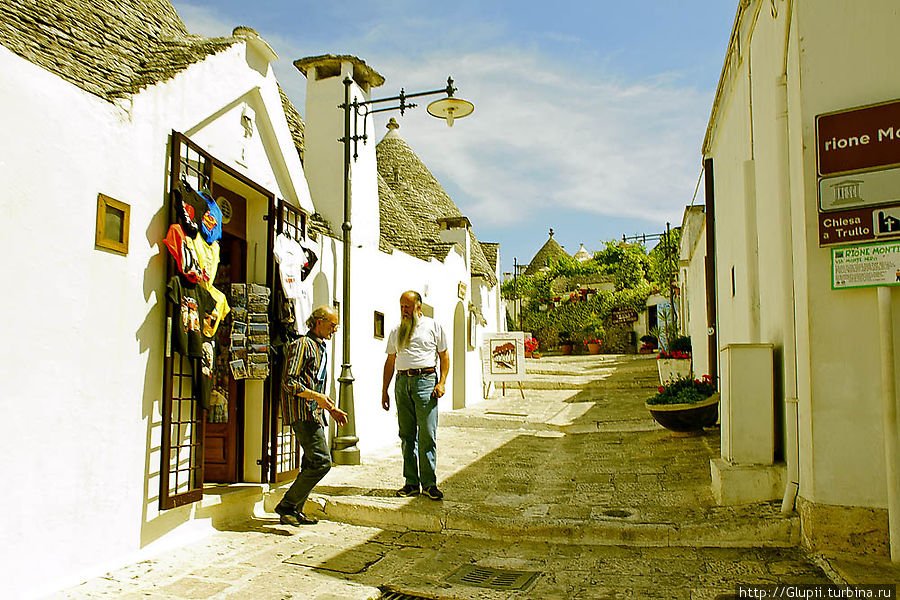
(304, 369)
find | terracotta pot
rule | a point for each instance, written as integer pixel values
(528, 354)
(593, 348)
(565, 348)
(685, 418)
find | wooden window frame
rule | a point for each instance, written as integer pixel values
(101, 239)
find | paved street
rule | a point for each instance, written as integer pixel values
(573, 492)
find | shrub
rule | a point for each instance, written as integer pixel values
(684, 391)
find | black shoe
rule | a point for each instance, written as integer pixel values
(434, 493)
(408, 490)
(292, 516)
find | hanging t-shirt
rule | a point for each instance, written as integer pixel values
(211, 220)
(182, 250)
(187, 207)
(192, 306)
(220, 310)
(207, 257)
(292, 261)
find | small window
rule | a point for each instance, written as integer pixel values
(112, 224)
(379, 325)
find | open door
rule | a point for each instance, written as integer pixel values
(284, 448)
(181, 455)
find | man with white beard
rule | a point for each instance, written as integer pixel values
(413, 347)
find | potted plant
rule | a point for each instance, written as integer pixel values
(673, 365)
(565, 342)
(593, 334)
(674, 362)
(685, 405)
(648, 344)
(531, 344)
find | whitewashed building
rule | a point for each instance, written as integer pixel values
(808, 373)
(107, 105)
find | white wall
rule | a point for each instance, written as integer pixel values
(842, 458)
(82, 384)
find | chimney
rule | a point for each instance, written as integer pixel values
(324, 155)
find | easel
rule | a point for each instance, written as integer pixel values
(487, 389)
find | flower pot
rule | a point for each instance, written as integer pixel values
(528, 354)
(593, 348)
(686, 418)
(673, 368)
(565, 348)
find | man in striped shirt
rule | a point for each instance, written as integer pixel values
(303, 405)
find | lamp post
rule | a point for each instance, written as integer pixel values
(345, 450)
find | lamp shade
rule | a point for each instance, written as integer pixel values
(450, 109)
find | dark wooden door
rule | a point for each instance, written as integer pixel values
(223, 448)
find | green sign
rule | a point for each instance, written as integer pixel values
(865, 266)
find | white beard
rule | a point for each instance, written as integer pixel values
(405, 331)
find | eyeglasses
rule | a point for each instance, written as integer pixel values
(334, 326)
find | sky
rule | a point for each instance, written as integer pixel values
(589, 114)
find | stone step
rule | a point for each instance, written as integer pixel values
(424, 515)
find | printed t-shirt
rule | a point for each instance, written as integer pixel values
(207, 257)
(182, 250)
(192, 307)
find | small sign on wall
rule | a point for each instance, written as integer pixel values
(865, 266)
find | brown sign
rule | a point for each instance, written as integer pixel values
(623, 315)
(860, 225)
(858, 139)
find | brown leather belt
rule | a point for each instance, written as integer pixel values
(415, 372)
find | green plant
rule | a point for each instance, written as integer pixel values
(684, 391)
(682, 343)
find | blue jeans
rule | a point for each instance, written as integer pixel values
(417, 416)
(315, 464)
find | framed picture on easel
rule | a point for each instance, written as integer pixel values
(503, 358)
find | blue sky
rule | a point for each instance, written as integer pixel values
(589, 114)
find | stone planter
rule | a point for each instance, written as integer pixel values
(686, 418)
(673, 368)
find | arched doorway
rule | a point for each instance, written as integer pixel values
(458, 362)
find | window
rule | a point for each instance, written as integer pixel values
(112, 224)
(379, 325)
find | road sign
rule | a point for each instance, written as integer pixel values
(858, 139)
(858, 188)
(868, 265)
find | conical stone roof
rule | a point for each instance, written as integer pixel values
(109, 48)
(549, 253)
(415, 203)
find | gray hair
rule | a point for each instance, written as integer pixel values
(320, 313)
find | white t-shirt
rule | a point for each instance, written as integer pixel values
(291, 260)
(427, 340)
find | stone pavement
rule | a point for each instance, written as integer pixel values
(573, 490)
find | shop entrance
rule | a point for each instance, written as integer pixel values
(222, 436)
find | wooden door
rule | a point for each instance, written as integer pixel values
(222, 442)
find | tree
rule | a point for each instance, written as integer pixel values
(628, 264)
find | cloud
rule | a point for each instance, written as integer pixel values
(562, 133)
(544, 133)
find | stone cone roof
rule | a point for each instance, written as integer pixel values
(549, 253)
(411, 203)
(583, 255)
(109, 48)
(295, 122)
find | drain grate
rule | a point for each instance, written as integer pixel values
(495, 579)
(399, 596)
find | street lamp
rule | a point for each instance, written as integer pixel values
(449, 108)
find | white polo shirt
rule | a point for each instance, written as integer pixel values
(427, 340)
